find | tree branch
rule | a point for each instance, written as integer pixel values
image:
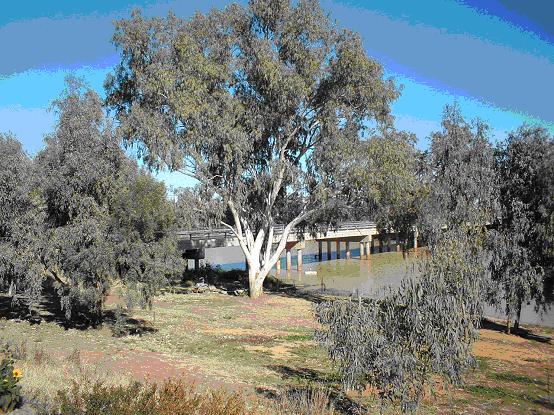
(283, 241)
(240, 238)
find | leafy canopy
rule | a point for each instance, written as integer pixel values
(522, 238)
(258, 103)
(264, 105)
(82, 215)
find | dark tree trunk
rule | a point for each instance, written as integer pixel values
(518, 315)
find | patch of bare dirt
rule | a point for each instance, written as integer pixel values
(154, 366)
(92, 356)
(509, 348)
(279, 351)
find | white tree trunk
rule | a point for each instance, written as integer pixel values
(255, 280)
(260, 262)
(259, 266)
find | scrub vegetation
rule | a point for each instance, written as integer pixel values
(266, 352)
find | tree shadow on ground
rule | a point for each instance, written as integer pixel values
(312, 296)
(49, 310)
(521, 332)
(304, 374)
(547, 401)
(305, 380)
(132, 326)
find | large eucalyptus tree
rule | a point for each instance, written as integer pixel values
(261, 104)
(524, 231)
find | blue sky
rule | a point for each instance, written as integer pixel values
(494, 57)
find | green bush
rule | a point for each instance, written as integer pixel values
(119, 328)
(10, 391)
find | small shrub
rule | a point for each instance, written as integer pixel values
(16, 349)
(74, 358)
(10, 391)
(119, 328)
(312, 401)
(272, 283)
(213, 275)
(426, 327)
(169, 398)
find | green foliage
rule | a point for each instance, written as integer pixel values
(265, 105)
(21, 223)
(213, 275)
(388, 173)
(168, 398)
(142, 222)
(523, 232)
(425, 328)
(141, 206)
(119, 328)
(79, 169)
(15, 168)
(82, 215)
(428, 325)
(10, 391)
(461, 178)
(194, 209)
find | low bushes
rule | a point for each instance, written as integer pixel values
(173, 397)
(214, 275)
(235, 278)
(310, 401)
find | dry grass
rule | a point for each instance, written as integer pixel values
(219, 341)
(44, 374)
(311, 401)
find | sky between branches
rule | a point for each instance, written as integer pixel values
(495, 57)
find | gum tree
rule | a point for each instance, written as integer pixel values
(461, 178)
(21, 223)
(520, 246)
(388, 175)
(104, 219)
(142, 224)
(82, 215)
(261, 104)
(462, 201)
(426, 327)
(79, 166)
